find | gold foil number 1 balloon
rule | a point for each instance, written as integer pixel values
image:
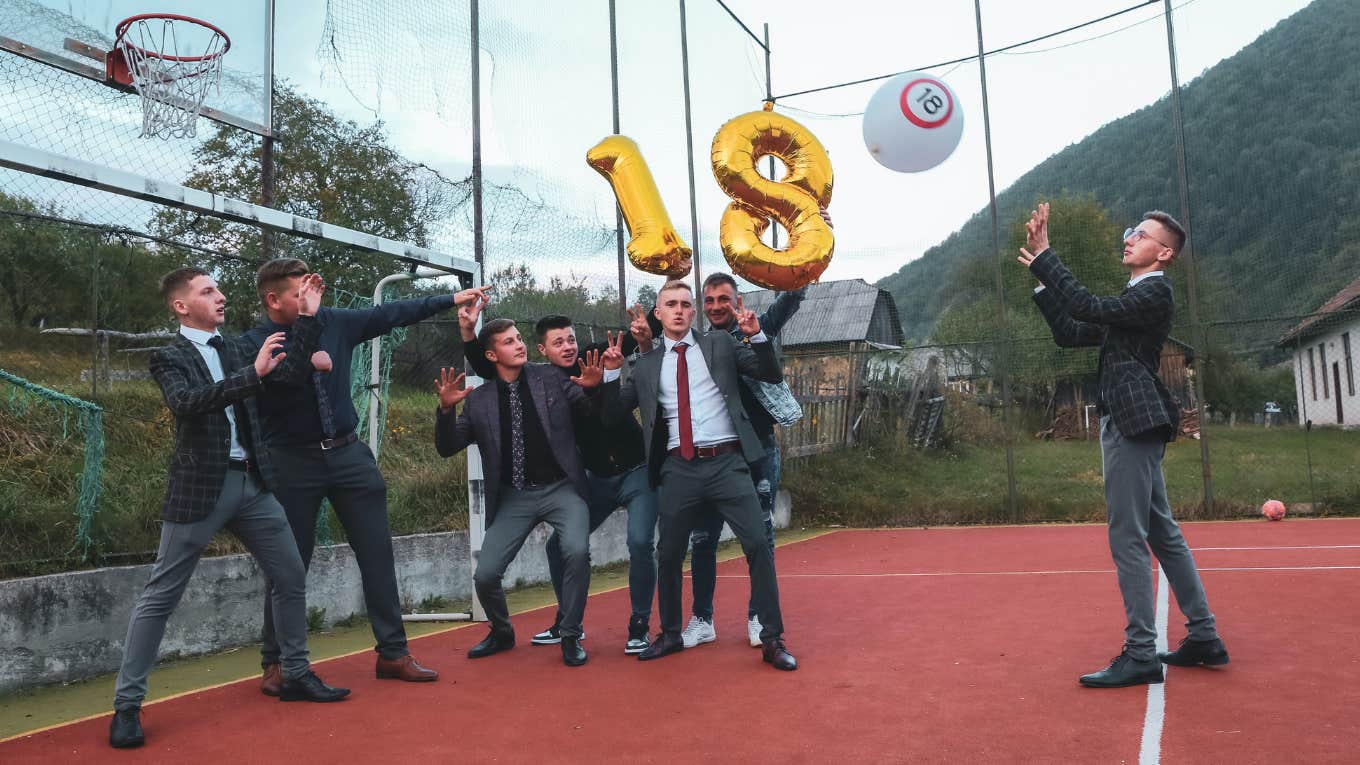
(793, 202)
(655, 246)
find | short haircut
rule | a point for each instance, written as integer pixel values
(555, 321)
(174, 282)
(718, 277)
(1170, 224)
(491, 329)
(274, 272)
(675, 284)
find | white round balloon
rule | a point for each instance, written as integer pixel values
(912, 123)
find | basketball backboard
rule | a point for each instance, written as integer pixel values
(76, 35)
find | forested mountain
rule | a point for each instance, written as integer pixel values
(1273, 150)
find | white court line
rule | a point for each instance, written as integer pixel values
(1282, 547)
(1150, 749)
(930, 574)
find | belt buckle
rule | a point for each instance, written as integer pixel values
(327, 444)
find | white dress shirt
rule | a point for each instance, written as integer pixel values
(708, 416)
(200, 340)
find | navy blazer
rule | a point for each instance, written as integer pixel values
(556, 399)
(1130, 330)
(726, 358)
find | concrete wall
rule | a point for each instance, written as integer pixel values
(71, 626)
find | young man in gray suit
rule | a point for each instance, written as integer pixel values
(1138, 417)
(219, 478)
(699, 442)
(523, 423)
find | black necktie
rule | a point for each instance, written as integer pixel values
(516, 436)
(238, 411)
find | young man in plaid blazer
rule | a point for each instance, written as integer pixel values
(1138, 417)
(218, 478)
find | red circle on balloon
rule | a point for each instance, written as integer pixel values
(913, 118)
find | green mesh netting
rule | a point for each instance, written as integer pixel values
(22, 396)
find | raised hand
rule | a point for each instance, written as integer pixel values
(472, 293)
(639, 328)
(310, 290)
(747, 321)
(468, 313)
(450, 388)
(265, 360)
(321, 361)
(592, 369)
(613, 354)
(1036, 234)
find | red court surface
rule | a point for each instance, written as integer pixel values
(916, 645)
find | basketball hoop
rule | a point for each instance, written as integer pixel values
(158, 55)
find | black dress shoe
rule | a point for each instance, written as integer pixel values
(491, 644)
(665, 643)
(1123, 672)
(125, 731)
(774, 652)
(573, 655)
(309, 687)
(1192, 653)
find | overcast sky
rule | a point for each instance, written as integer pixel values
(547, 92)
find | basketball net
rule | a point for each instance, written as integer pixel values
(171, 78)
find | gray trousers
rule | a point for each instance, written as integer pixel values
(519, 512)
(722, 484)
(1140, 518)
(257, 519)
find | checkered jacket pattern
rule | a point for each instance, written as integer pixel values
(202, 431)
(1130, 330)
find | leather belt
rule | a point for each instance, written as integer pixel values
(709, 452)
(335, 443)
(245, 466)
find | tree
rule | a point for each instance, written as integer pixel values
(326, 168)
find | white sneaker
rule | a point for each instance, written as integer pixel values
(753, 631)
(698, 631)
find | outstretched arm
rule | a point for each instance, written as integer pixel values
(1067, 332)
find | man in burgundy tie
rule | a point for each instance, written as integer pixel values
(699, 441)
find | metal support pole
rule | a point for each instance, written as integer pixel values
(618, 211)
(769, 96)
(1003, 355)
(1187, 253)
(689, 151)
(267, 149)
(476, 488)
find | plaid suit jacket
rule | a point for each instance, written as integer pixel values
(1130, 330)
(202, 431)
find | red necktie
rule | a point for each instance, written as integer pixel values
(682, 396)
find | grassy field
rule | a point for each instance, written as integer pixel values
(1061, 481)
(967, 483)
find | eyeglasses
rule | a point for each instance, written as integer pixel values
(1138, 234)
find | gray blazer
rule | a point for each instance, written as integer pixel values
(727, 360)
(556, 399)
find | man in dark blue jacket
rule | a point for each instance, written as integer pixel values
(309, 427)
(1138, 416)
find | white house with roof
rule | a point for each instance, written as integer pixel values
(1325, 345)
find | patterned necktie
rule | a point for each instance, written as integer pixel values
(516, 436)
(682, 397)
(238, 412)
(323, 406)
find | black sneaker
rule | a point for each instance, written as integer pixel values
(1192, 653)
(125, 729)
(637, 635)
(552, 635)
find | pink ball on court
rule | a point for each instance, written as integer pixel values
(1273, 509)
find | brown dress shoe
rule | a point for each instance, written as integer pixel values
(404, 668)
(271, 680)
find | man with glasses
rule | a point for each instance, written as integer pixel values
(1138, 417)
